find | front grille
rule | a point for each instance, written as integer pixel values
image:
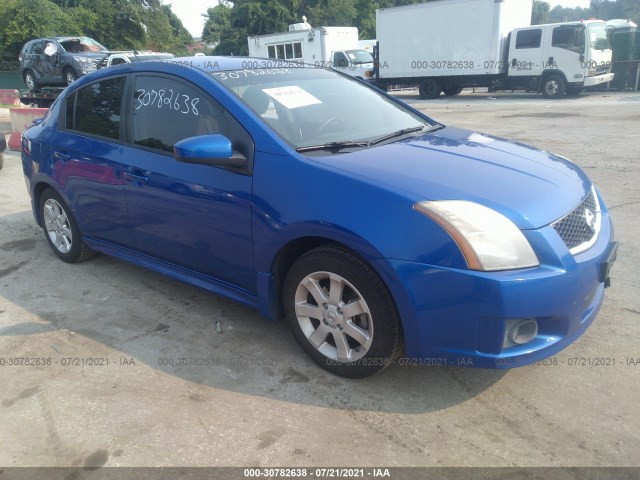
(602, 69)
(579, 229)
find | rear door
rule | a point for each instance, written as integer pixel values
(525, 53)
(87, 152)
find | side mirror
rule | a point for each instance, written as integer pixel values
(215, 150)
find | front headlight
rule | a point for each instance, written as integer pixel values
(488, 240)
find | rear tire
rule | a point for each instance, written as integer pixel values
(341, 313)
(429, 89)
(60, 229)
(452, 91)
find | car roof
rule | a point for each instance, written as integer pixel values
(211, 64)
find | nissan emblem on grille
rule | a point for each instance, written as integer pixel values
(579, 229)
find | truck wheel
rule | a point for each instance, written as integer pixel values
(451, 91)
(554, 86)
(29, 80)
(70, 76)
(429, 89)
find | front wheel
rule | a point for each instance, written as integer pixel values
(61, 230)
(70, 76)
(554, 86)
(30, 80)
(341, 313)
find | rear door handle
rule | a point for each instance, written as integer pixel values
(62, 156)
(132, 177)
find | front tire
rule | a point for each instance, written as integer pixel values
(341, 313)
(61, 231)
(70, 76)
(29, 80)
(554, 86)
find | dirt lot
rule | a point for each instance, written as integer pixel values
(261, 402)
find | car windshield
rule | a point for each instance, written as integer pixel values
(82, 45)
(314, 107)
(358, 57)
(598, 37)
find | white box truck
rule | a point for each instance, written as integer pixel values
(446, 45)
(332, 47)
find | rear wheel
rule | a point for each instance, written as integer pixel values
(451, 91)
(341, 313)
(429, 89)
(554, 86)
(61, 230)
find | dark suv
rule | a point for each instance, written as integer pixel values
(59, 60)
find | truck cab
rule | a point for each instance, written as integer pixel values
(355, 62)
(559, 58)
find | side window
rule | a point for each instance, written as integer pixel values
(38, 48)
(96, 108)
(569, 38)
(528, 38)
(340, 60)
(166, 111)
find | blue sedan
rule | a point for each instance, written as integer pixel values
(311, 196)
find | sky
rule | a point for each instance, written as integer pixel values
(190, 11)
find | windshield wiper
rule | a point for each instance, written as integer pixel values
(334, 146)
(404, 131)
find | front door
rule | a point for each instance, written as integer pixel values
(193, 216)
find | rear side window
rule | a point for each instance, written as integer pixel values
(166, 111)
(528, 38)
(96, 108)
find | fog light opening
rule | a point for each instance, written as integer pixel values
(519, 332)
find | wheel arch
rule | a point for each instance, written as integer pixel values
(546, 73)
(270, 284)
(38, 190)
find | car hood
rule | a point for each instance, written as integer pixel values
(531, 187)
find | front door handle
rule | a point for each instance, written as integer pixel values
(62, 156)
(132, 177)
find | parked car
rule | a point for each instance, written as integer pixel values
(59, 60)
(119, 58)
(304, 192)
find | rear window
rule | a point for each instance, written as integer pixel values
(96, 108)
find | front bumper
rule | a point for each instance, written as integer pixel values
(460, 317)
(598, 80)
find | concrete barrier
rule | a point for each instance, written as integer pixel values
(21, 119)
(9, 97)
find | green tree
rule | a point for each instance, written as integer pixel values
(540, 13)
